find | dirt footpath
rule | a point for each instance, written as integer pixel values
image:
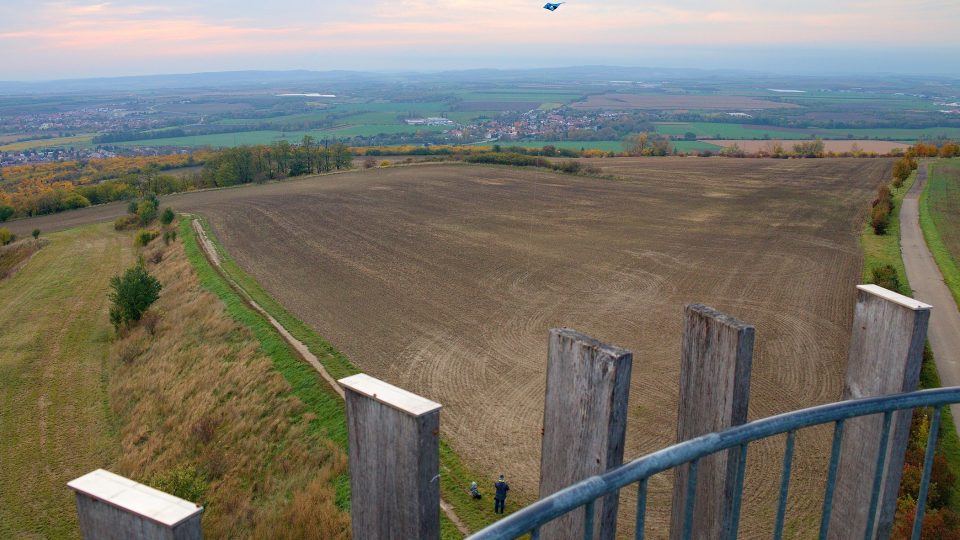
(928, 286)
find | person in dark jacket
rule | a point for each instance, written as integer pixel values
(500, 497)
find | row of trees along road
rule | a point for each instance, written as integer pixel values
(281, 159)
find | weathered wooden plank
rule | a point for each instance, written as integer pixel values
(394, 461)
(886, 352)
(716, 356)
(584, 423)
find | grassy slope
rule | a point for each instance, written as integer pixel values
(885, 249)
(309, 387)
(51, 360)
(202, 394)
(939, 211)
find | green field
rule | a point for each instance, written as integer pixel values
(940, 220)
(541, 96)
(859, 100)
(224, 140)
(77, 141)
(726, 131)
(55, 424)
(607, 146)
(359, 113)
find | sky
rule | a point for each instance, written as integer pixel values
(42, 40)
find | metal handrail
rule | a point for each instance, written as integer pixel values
(583, 493)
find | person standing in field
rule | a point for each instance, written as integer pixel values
(500, 497)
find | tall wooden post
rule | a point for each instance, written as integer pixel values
(584, 423)
(716, 356)
(394, 461)
(886, 352)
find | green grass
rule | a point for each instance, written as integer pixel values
(606, 146)
(939, 209)
(78, 141)
(541, 96)
(694, 146)
(727, 131)
(315, 393)
(879, 250)
(226, 140)
(55, 422)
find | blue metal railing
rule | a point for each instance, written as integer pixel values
(583, 494)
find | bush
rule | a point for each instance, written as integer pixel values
(144, 237)
(128, 221)
(592, 169)
(36, 233)
(6, 236)
(369, 163)
(169, 236)
(156, 257)
(880, 219)
(6, 212)
(886, 277)
(147, 211)
(167, 216)
(132, 294)
(571, 167)
(184, 482)
(514, 159)
(132, 207)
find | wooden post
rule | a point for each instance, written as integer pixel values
(716, 356)
(394, 461)
(886, 351)
(584, 424)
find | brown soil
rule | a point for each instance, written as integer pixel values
(444, 279)
(634, 101)
(755, 145)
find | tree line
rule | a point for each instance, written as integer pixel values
(38, 190)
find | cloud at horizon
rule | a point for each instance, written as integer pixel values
(79, 38)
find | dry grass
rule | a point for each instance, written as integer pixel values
(198, 394)
(15, 255)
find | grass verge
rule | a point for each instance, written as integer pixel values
(455, 475)
(939, 197)
(880, 250)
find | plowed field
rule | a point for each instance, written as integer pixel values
(444, 279)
